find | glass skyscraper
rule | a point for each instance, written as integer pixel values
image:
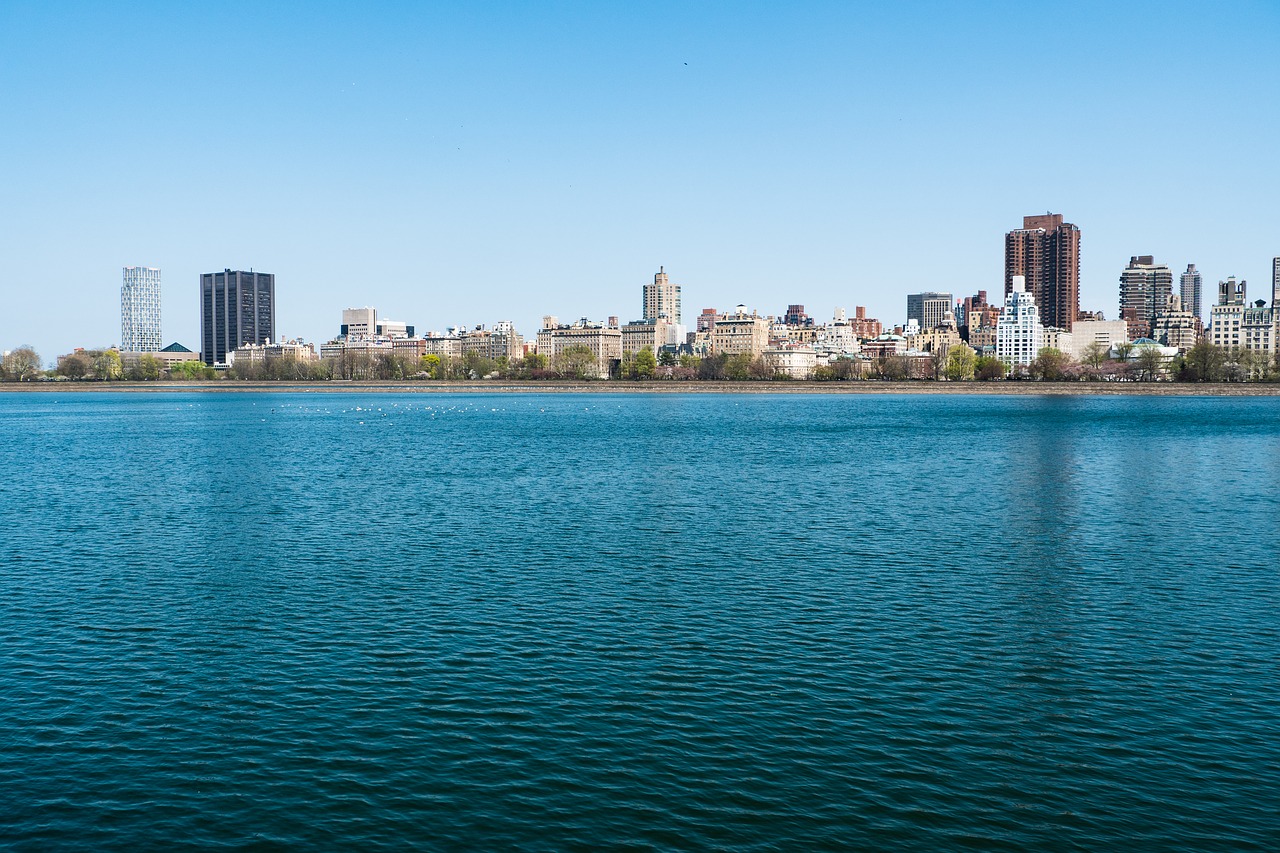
(236, 308)
(140, 310)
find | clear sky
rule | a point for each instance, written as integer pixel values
(472, 162)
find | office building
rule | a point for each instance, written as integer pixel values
(1045, 251)
(1145, 290)
(662, 299)
(236, 308)
(928, 309)
(140, 310)
(1019, 332)
(1190, 291)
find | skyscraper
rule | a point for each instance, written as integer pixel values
(140, 310)
(1275, 282)
(1145, 288)
(236, 308)
(928, 309)
(662, 299)
(1190, 289)
(1046, 252)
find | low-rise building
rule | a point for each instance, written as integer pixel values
(796, 361)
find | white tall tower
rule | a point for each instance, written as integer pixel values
(140, 310)
(1019, 333)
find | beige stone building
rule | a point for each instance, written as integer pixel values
(796, 361)
(604, 342)
(740, 333)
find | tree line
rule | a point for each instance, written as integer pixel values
(1204, 362)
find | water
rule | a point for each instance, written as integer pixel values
(648, 622)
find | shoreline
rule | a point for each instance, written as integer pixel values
(873, 387)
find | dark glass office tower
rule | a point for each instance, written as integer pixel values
(236, 308)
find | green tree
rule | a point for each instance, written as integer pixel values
(1050, 364)
(107, 366)
(667, 358)
(961, 363)
(646, 365)
(988, 367)
(576, 362)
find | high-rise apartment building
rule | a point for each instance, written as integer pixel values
(1190, 290)
(928, 309)
(1145, 288)
(662, 299)
(1019, 332)
(236, 308)
(140, 310)
(1275, 282)
(1046, 252)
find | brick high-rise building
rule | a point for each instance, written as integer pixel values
(1046, 252)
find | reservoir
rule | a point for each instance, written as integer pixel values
(654, 622)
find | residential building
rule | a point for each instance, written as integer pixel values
(740, 332)
(604, 342)
(1175, 327)
(140, 310)
(236, 308)
(1045, 251)
(706, 320)
(661, 299)
(836, 339)
(795, 316)
(254, 353)
(928, 309)
(1019, 332)
(1190, 287)
(1145, 289)
(651, 333)
(1227, 316)
(795, 361)
(863, 326)
(939, 338)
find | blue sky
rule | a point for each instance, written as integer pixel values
(471, 162)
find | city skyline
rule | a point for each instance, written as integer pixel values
(547, 161)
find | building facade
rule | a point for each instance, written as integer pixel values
(1145, 289)
(236, 308)
(140, 310)
(662, 299)
(604, 343)
(1227, 316)
(1175, 327)
(1190, 288)
(740, 333)
(1019, 332)
(1045, 251)
(1105, 333)
(928, 309)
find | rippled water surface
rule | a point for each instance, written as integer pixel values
(653, 622)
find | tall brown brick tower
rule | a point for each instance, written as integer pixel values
(1046, 251)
